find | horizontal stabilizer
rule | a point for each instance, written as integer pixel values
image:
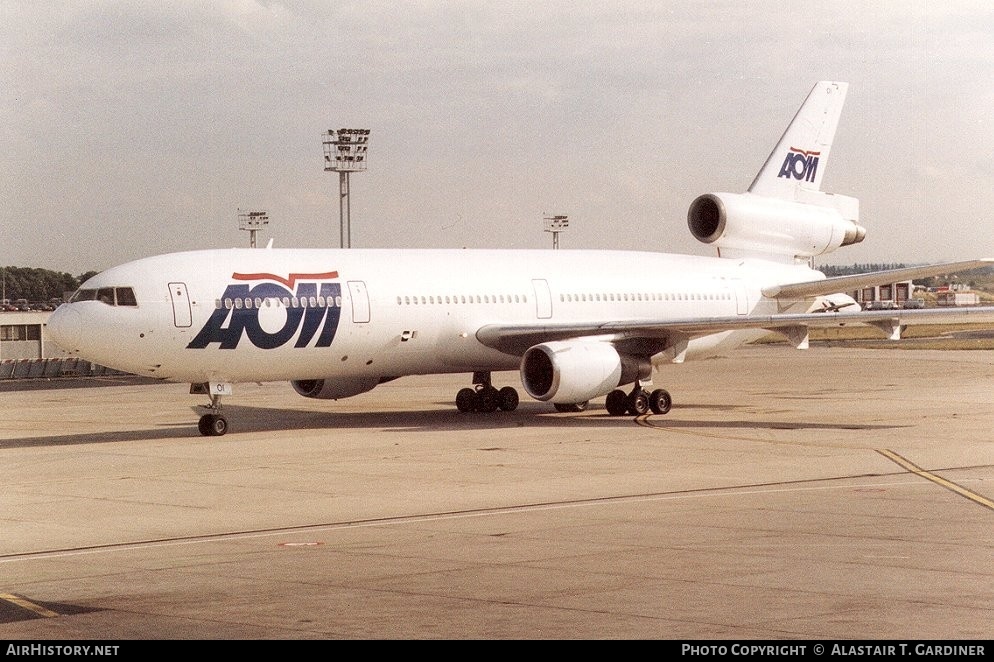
(856, 281)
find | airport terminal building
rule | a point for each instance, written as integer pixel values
(26, 352)
(22, 336)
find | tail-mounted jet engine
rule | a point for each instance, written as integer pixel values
(748, 223)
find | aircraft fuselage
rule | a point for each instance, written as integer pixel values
(373, 314)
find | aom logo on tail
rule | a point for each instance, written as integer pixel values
(800, 164)
(273, 311)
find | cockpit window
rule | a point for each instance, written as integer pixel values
(83, 295)
(112, 296)
(125, 296)
(106, 295)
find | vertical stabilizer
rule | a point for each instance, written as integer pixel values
(798, 161)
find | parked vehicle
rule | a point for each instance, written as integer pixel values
(880, 305)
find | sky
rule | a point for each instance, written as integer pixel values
(136, 128)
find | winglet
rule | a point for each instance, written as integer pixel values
(798, 161)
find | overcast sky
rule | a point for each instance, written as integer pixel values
(135, 128)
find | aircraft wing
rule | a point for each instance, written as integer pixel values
(653, 336)
(857, 281)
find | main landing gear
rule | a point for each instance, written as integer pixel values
(484, 397)
(213, 423)
(638, 402)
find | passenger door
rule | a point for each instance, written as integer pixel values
(182, 315)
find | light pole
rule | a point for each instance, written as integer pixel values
(555, 225)
(252, 221)
(344, 153)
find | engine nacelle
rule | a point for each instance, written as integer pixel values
(333, 389)
(757, 224)
(568, 372)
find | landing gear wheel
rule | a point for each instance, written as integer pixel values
(572, 407)
(507, 399)
(638, 403)
(489, 399)
(660, 401)
(212, 425)
(466, 400)
(617, 403)
(219, 426)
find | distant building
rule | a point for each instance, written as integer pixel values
(22, 336)
(956, 298)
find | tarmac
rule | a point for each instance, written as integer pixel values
(833, 493)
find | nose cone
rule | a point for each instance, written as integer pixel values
(65, 327)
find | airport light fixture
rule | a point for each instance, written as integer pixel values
(555, 225)
(253, 221)
(345, 153)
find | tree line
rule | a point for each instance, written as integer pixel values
(38, 285)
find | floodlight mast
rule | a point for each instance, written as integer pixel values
(345, 153)
(253, 221)
(555, 225)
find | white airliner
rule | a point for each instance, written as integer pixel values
(577, 324)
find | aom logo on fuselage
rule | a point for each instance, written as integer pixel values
(800, 164)
(274, 311)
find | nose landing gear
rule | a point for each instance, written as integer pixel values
(212, 423)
